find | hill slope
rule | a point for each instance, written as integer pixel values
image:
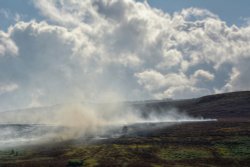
(220, 106)
(235, 105)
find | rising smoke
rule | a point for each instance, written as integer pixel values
(79, 121)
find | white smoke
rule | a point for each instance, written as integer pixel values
(78, 121)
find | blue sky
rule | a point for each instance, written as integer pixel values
(24, 8)
(231, 11)
(79, 47)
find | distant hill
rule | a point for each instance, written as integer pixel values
(221, 106)
(235, 105)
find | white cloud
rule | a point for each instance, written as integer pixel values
(151, 80)
(239, 77)
(171, 58)
(7, 46)
(85, 48)
(202, 74)
(5, 88)
(183, 92)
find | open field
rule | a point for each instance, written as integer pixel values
(225, 142)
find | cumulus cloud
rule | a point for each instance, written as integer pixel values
(7, 46)
(202, 74)
(171, 58)
(183, 92)
(153, 80)
(86, 49)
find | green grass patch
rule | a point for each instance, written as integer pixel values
(90, 162)
(180, 153)
(234, 147)
(75, 163)
(240, 151)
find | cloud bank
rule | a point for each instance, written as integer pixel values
(94, 50)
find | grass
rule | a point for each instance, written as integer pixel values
(240, 151)
(178, 153)
(178, 147)
(234, 147)
(91, 162)
(145, 154)
(75, 163)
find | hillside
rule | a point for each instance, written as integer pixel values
(225, 142)
(220, 106)
(235, 105)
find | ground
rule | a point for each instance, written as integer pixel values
(221, 143)
(225, 142)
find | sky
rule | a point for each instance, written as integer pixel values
(230, 11)
(57, 51)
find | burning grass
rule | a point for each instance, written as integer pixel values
(173, 146)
